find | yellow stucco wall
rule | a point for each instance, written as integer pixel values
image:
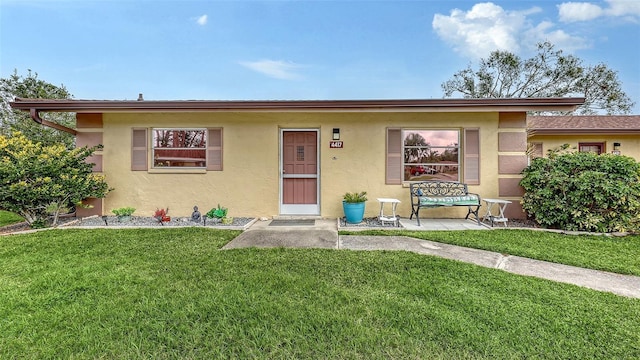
(249, 183)
(629, 144)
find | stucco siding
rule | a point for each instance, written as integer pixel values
(629, 144)
(249, 184)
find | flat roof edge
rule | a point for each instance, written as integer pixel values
(278, 105)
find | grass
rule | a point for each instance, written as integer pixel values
(170, 293)
(616, 254)
(8, 218)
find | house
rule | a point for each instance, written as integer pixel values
(617, 134)
(278, 158)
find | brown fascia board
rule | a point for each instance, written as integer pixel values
(506, 104)
(564, 132)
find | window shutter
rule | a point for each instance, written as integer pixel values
(472, 156)
(394, 157)
(139, 150)
(214, 149)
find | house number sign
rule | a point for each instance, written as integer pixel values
(335, 144)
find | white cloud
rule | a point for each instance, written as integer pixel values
(202, 20)
(585, 11)
(274, 68)
(561, 39)
(624, 8)
(574, 11)
(488, 27)
(484, 28)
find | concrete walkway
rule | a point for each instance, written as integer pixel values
(324, 235)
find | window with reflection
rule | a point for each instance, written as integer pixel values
(179, 148)
(596, 148)
(431, 155)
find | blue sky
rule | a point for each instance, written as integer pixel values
(172, 50)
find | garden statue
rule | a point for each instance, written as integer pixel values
(195, 215)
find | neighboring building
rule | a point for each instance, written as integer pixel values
(275, 158)
(617, 134)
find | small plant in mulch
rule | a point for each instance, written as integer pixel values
(218, 213)
(161, 216)
(123, 213)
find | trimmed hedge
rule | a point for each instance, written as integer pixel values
(583, 191)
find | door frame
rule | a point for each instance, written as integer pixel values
(301, 209)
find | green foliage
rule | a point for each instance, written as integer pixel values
(355, 197)
(583, 191)
(8, 218)
(549, 73)
(30, 86)
(38, 180)
(618, 254)
(218, 213)
(123, 211)
(172, 294)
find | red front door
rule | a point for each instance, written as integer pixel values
(300, 173)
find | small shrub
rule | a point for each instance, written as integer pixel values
(583, 191)
(41, 181)
(162, 215)
(124, 211)
(217, 213)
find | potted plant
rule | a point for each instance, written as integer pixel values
(353, 206)
(123, 213)
(218, 213)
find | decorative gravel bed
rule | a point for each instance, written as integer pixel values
(238, 222)
(14, 228)
(145, 221)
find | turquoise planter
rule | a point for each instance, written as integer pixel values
(353, 212)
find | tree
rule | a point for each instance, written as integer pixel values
(414, 143)
(37, 180)
(31, 87)
(549, 73)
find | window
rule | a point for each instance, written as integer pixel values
(431, 154)
(179, 148)
(597, 148)
(176, 149)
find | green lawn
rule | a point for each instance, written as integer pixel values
(171, 293)
(609, 253)
(8, 218)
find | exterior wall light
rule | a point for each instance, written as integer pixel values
(336, 134)
(616, 148)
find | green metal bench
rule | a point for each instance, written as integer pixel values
(433, 194)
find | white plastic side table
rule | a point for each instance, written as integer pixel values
(496, 206)
(393, 218)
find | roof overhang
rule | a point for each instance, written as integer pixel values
(415, 105)
(565, 132)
